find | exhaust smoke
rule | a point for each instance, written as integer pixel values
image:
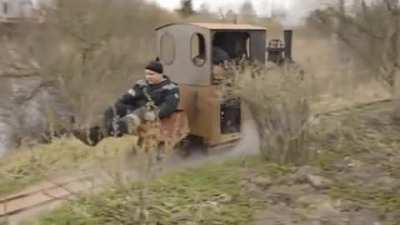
(297, 11)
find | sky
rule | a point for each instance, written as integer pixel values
(260, 5)
(297, 9)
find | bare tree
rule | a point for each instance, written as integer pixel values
(186, 9)
(98, 48)
(204, 9)
(231, 16)
(247, 12)
(90, 51)
(371, 31)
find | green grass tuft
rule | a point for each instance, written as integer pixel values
(212, 194)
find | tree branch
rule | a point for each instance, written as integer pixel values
(34, 92)
(349, 21)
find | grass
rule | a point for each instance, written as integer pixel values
(221, 192)
(28, 167)
(354, 133)
(213, 194)
(370, 137)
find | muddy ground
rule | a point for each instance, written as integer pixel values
(354, 180)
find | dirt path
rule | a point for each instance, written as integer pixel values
(355, 180)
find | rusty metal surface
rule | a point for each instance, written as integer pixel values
(166, 133)
(174, 129)
(218, 26)
(202, 106)
(223, 139)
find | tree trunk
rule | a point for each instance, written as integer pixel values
(396, 95)
(395, 40)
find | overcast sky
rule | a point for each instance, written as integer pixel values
(297, 9)
(260, 5)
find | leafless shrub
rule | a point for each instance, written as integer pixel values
(370, 32)
(277, 98)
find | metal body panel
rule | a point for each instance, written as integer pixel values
(200, 98)
(228, 26)
(288, 37)
(203, 106)
(257, 46)
(223, 139)
(183, 70)
(217, 26)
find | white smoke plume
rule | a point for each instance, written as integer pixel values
(298, 11)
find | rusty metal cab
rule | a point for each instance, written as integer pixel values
(189, 53)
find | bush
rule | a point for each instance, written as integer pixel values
(278, 101)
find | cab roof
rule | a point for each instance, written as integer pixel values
(217, 26)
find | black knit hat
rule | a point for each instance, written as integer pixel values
(155, 66)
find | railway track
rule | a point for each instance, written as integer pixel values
(349, 108)
(46, 194)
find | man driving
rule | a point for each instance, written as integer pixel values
(154, 97)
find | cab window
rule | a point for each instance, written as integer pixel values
(198, 49)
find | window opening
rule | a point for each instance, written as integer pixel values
(198, 49)
(230, 116)
(5, 8)
(231, 46)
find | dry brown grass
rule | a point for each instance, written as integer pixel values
(335, 79)
(368, 34)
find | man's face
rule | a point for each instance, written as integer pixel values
(153, 77)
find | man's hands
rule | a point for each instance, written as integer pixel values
(150, 116)
(133, 118)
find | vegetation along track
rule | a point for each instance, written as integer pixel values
(69, 188)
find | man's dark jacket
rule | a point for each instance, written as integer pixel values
(164, 95)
